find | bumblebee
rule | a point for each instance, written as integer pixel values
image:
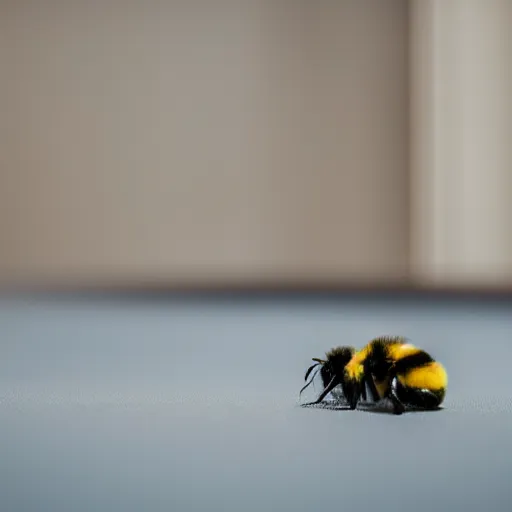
(399, 371)
(332, 372)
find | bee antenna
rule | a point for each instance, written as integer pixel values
(311, 380)
(309, 370)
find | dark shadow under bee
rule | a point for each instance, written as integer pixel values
(382, 407)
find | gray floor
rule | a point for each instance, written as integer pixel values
(190, 405)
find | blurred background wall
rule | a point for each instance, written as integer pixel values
(233, 142)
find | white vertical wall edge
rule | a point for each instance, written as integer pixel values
(461, 138)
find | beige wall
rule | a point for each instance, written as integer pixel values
(204, 140)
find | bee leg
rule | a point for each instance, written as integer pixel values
(373, 389)
(363, 391)
(398, 406)
(332, 384)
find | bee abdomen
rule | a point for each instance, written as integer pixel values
(420, 398)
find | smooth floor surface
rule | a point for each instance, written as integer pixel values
(191, 405)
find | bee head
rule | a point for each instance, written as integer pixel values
(331, 368)
(338, 358)
(334, 364)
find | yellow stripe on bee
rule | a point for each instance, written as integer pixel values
(432, 376)
(399, 351)
(354, 370)
(360, 356)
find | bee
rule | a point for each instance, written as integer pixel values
(399, 371)
(332, 372)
